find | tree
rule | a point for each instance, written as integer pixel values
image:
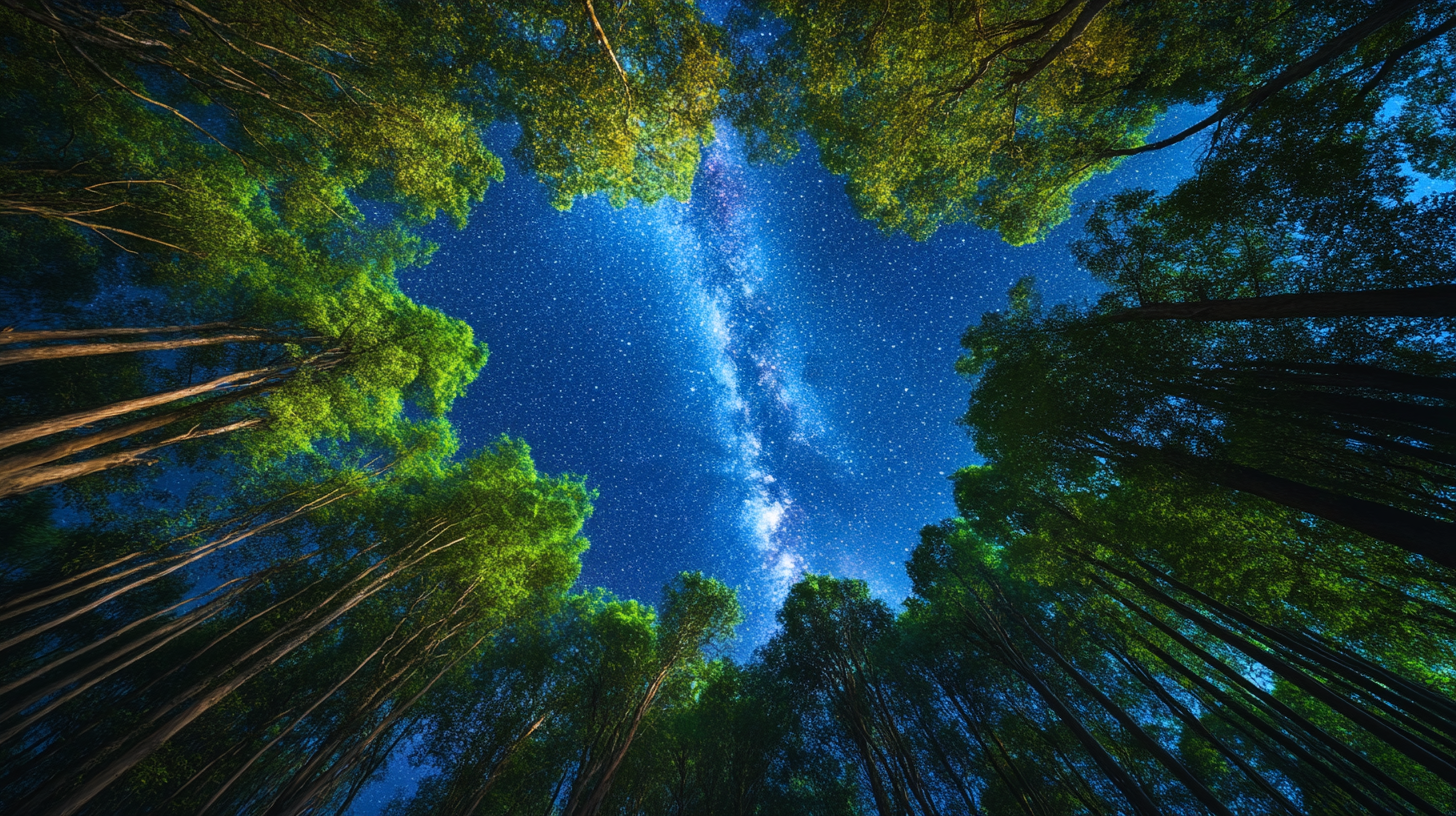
(994, 113)
(1064, 396)
(697, 613)
(1117, 645)
(360, 357)
(398, 588)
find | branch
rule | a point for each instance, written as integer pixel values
(602, 38)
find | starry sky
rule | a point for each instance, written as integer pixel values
(758, 382)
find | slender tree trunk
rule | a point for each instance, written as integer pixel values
(303, 785)
(296, 720)
(1013, 659)
(1374, 679)
(860, 733)
(318, 790)
(11, 336)
(928, 728)
(904, 757)
(140, 649)
(1388, 13)
(1406, 418)
(57, 586)
(176, 562)
(80, 419)
(599, 792)
(20, 463)
(37, 478)
(1422, 535)
(1340, 776)
(202, 698)
(1351, 375)
(1416, 749)
(1152, 746)
(27, 355)
(1340, 749)
(1196, 725)
(1415, 301)
(500, 766)
(1000, 763)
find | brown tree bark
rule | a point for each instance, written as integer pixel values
(1415, 301)
(80, 419)
(38, 477)
(43, 335)
(59, 352)
(139, 649)
(203, 695)
(217, 794)
(320, 788)
(20, 463)
(169, 565)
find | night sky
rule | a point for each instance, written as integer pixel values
(758, 382)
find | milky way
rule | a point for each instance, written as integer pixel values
(764, 411)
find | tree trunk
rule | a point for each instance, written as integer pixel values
(1374, 679)
(1416, 301)
(1352, 375)
(142, 648)
(39, 477)
(202, 699)
(1416, 749)
(500, 766)
(1340, 749)
(328, 781)
(1013, 659)
(1340, 776)
(1152, 746)
(296, 720)
(11, 336)
(80, 419)
(19, 463)
(37, 601)
(1422, 535)
(1196, 725)
(599, 792)
(27, 355)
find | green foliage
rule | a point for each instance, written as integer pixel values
(585, 128)
(994, 113)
